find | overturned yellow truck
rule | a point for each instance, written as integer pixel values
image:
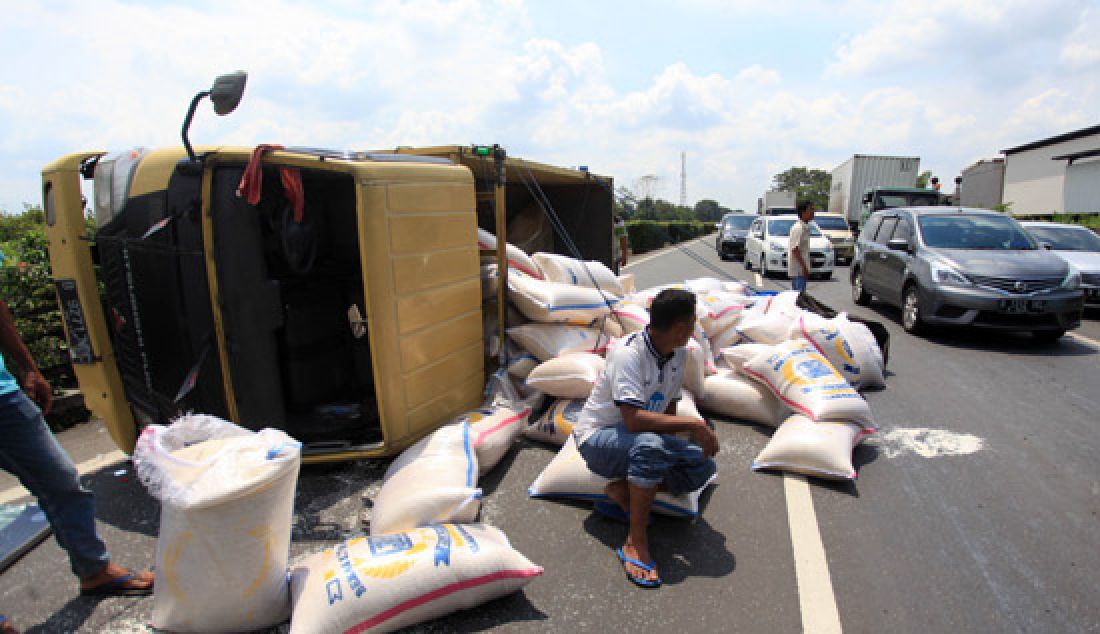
(343, 304)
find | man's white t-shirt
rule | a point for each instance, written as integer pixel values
(637, 375)
(799, 237)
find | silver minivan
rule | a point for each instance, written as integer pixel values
(965, 267)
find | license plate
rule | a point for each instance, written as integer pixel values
(1019, 306)
(817, 261)
(80, 345)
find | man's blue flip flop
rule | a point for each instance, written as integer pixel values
(614, 512)
(641, 582)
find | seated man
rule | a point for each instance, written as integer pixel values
(625, 431)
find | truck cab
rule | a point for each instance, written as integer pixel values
(879, 198)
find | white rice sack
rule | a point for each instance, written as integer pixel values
(687, 406)
(571, 375)
(227, 501)
(708, 352)
(433, 481)
(517, 259)
(785, 302)
(818, 449)
(547, 341)
(546, 302)
(645, 297)
(388, 582)
(694, 371)
(807, 383)
(702, 285)
(738, 397)
(720, 311)
(567, 476)
(770, 327)
(735, 357)
(736, 287)
(567, 270)
(556, 424)
(849, 346)
(630, 317)
(520, 367)
(728, 338)
(494, 431)
(606, 324)
(626, 281)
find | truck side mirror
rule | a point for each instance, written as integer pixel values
(227, 91)
(867, 199)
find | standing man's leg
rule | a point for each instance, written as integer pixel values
(798, 283)
(31, 452)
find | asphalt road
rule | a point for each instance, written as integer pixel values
(1003, 539)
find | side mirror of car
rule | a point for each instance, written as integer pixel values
(899, 244)
(717, 225)
(1046, 245)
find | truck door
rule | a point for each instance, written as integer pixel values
(874, 279)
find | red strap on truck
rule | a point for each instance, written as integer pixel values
(253, 179)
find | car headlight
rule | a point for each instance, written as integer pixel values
(946, 275)
(775, 247)
(1072, 281)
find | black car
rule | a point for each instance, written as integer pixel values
(967, 267)
(732, 231)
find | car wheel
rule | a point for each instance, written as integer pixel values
(1047, 335)
(912, 319)
(859, 296)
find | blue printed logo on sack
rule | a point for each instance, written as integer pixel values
(813, 369)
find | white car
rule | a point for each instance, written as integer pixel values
(766, 247)
(1075, 244)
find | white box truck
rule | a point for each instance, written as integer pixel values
(859, 175)
(776, 202)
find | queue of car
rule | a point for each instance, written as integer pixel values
(941, 266)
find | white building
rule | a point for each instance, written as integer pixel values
(1056, 175)
(982, 184)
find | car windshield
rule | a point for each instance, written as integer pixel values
(831, 223)
(739, 222)
(973, 231)
(1066, 238)
(782, 227)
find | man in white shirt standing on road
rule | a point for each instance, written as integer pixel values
(625, 431)
(798, 247)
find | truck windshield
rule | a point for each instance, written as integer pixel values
(739, 223)
(972, 231)
(782, 227)
(1066, 238)
(831, 223)
(889, 201)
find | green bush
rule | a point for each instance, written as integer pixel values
(27, 287)
(647, 235)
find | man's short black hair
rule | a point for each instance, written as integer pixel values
(803, 207)
(672, 306)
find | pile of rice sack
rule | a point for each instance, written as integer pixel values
(756, 358)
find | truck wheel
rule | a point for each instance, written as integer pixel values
(912, 319)
(859, 296)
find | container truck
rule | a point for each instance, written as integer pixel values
(857, 176)
(776, 202)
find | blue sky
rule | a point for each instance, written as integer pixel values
(746, 87)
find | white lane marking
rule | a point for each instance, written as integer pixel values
(660, 253)
(93, 464)
(815, 586)
(1085, 340)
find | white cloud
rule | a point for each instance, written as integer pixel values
(1082, 49)
(435, 72)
